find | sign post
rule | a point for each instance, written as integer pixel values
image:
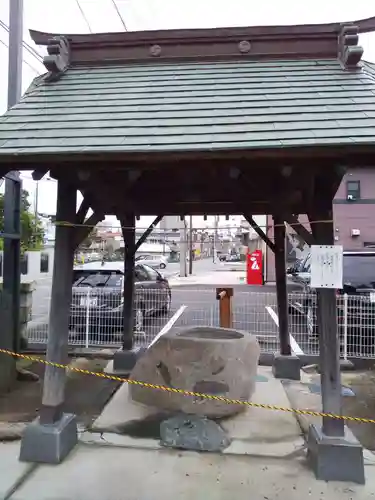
(254, 268)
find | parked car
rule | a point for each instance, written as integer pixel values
(97, 298)
(299, 275)
(154, 261)
(356, 300)
(295, 267)
(234, 257)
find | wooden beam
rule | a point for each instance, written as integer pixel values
(281, 286)
(58, 331)
(329, 347)
(260, 233)
(300, 229)
(148, 231)
(128, 233)
(83, 231)
(82, 211)
(39, 173)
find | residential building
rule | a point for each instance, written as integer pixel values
(353, 216)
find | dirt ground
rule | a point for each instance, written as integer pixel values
(362, 405)
(85, 395)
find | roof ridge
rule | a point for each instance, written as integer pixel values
(314, 41)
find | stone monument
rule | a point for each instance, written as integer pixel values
(216, 361)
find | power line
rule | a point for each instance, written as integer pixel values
(119, 14)
(28, 64)
(84, 15)
(28, 47)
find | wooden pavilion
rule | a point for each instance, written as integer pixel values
(253, 120)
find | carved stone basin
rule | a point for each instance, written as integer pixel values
(215, 361)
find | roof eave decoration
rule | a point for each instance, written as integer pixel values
(311, 41)
(350, 53)
(58, 58)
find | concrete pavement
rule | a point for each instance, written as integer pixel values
(266, 461)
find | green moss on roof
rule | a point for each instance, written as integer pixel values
(182, 107)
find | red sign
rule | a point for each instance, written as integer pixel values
(254, 268)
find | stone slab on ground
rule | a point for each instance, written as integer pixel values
(11, 431)
(98, 473)
(191, 432)
(11, 470)
(253, 432)
(259, 431)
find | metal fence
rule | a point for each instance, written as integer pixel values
(96, 318)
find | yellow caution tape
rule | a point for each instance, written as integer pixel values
(187, 393)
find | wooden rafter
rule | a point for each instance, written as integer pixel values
(82, 232)
(260, 232)
(299, 228)
(148, 231)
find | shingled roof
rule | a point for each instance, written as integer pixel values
(204, 90)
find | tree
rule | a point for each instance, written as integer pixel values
(32, 232)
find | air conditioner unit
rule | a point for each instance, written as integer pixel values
(355, 232)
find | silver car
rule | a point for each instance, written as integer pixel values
(154, 261)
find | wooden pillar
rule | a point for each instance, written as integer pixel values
(57, 345)
(10, 293)
(329, 347)
(281, 287)
(128, 233)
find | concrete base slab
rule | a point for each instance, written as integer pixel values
(335, 459)
(12, 470)
(120, 409)
(124, 361)
(108, 473)
(49, 444)
(253, 432)
(286, 367)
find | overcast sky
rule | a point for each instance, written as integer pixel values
(57, 16)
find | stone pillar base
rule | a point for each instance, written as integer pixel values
(49, 443)
(286, 367)
(124, 361)
(335, 458)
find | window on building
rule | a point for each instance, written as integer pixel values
(44, 262)
(24, 263)
(353, 190)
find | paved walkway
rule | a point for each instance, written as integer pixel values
(216, 277)
(265, 461)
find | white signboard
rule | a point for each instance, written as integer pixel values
(326, 266)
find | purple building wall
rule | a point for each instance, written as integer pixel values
(348, 215)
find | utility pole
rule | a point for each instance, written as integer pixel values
(191, 250)
(36, 201)
(183, 248)
(216, 223)
(12, 208)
